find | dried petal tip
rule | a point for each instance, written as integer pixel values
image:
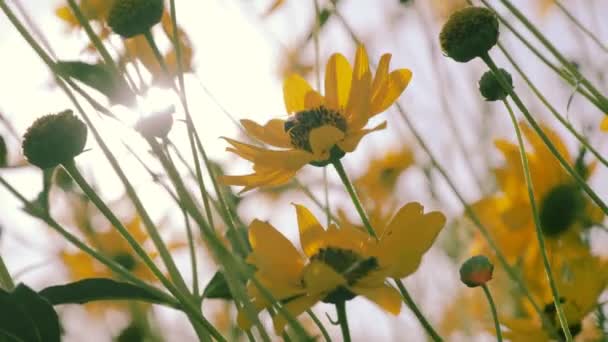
(491, 89)
(476, 271)
(470, 32)
(156, 125)
(54, 139)
(130, 18)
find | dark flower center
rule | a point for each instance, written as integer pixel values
(350, 265)
(551, 312)
(388, 176)
(125, 260)
(560, 209)
(302, 123)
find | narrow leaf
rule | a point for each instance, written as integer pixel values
(217, 288)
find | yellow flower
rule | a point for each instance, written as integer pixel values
(580, 278)
(563, 208)
(338, 263)
(378, 182)
(321, 129)
(604, 124)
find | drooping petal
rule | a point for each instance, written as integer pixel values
(284, 160)
(385, 296)
(408, 236)
(351, 141)
(338, 75)
(390, 90)
(311, 230)
(258, 179)
(322, 139)
(295, 308)
(273, 253)
(295, 91)
(272, 133)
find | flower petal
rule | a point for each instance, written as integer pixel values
(265, 158)
(357, 110)
(273, 254)
(604, 124)
(319, 278)
(381, 73)
(351, 141)
(407, 237)
(388, 92)
(259, 179)
(385, 296)
(295, 308)
(272, 133)
(322, 139)
(311, 230)
(295, 91)
(338, 75)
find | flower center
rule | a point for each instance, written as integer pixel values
(575, 328)
(350, 265)
(559, 209)
(388, 176)
(302, 123)
(125, 260)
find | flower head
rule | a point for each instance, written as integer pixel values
(491, 89)
(470, 32)
(320, 129)
(54, 139)
(476, 271)
(338, 263)
(130, 18)
(380, 179)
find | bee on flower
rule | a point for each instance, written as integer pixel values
(320, 129)
(338, 263)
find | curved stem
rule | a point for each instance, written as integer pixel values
(354, 197)
(341, 309)
(319, 325)
(539, 233)
(486, 290)
(407, 299)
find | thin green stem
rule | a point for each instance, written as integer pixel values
(191, 247)
(407, 299)
(563, 162)
(354, 197)
(6, 282)
(343, 319)
(580, 25)
(486, 290)
(552, 109)
(319, 325)
(539, 233)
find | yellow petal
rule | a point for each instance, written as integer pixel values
(320, 278)
(295, 91)
(389, 91)
(273, 253)
(381, 73)
(243, 320)
(604, 124)
(295, 308)
(338, 75)
(270, 159)
(311, 230)
(351, 141)
(357, 110)
(313, 100)
(272, 133)
(322, 139)
(385, 296)
(259, 179)
(408, 236)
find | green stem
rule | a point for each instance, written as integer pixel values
(6, 282)
(486, 290)
(193, 263)
(341, 309)
(580, 25)
(563, 162)
(552, 109)
(319, 325)
(539, 233)
(407, 299)
(353, 195)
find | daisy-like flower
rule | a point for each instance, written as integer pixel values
(378, 183)
(338, 263)
(320, 129)
(563, 207)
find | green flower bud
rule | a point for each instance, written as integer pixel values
(3, 152)
(490, 87)
(476, 271)
(130, 18)
(470, 32)
(54, 139)
(156, 125)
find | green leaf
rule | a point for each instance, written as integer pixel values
(94, 289)
(217, 288)
(26, 316)
(99, 77)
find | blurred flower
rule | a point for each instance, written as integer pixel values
(562, 205)
(275, 5)
(292, 63)
(604, 124)
(379, 181)
(339, 263)
(321, 129)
